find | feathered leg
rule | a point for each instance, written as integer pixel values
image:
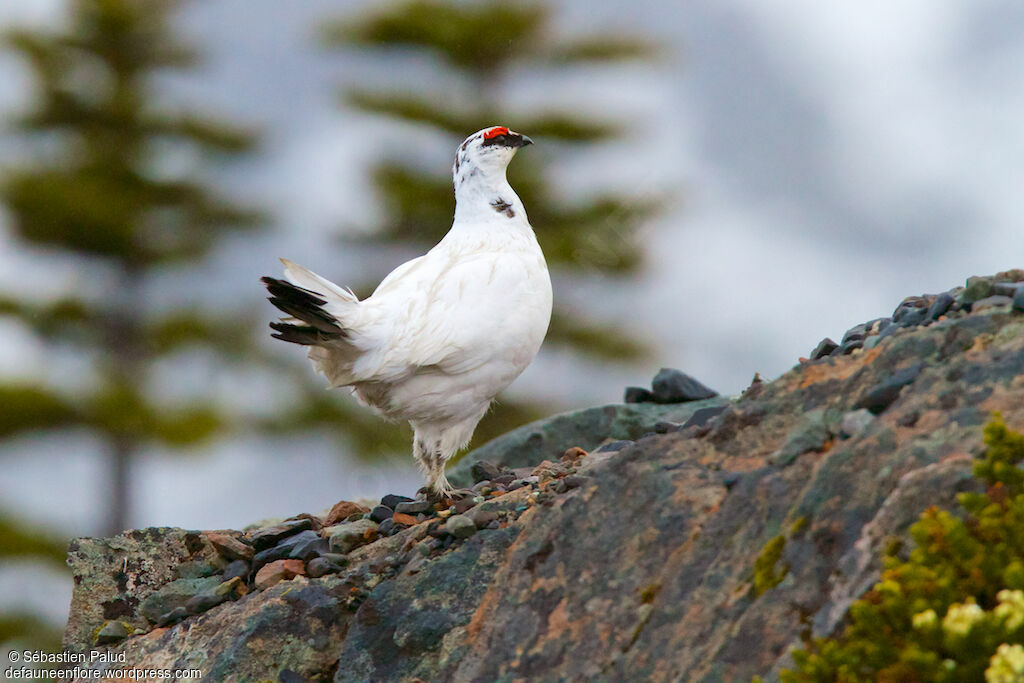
(431, 460)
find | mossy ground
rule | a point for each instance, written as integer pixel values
(954, 611)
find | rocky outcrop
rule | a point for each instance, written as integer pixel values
(700, 543)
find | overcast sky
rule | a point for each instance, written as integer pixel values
(826, 160)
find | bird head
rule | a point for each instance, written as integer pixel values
(487, 153)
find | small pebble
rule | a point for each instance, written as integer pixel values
(484, 470)
(112, 632)
(172, 617)
(347, 537)
(674, 386)
(824, 348)
(996, 301)
(666, 427)
(391, 500)
(703, 416)
(886, 392)
(380, 513)
(386, 527)
(855, 333)
(638, 395)
(614, 446)
(281, 570)
(271, 536)
(342, 510)
(203, 602)
(855, 422)
(940, 306)
(229, 547)
(460, 526)
(915, 317)
(239, 568)
(321, 566)
(414, 507)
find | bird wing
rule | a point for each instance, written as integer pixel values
(441, 311)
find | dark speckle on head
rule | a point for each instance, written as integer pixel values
(501, 206)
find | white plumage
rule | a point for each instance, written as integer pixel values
(445, 332)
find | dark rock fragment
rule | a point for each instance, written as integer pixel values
(484, 470)
(304, 546)
(380, 513)
(702, 416)
(914, 317)
(1018, 300)
(848, 347)
(674, 386)
(995, 301)
(112, 632)
(940, 306)
(885, 393)
(824, 348)
(638, 395)
(855, 333)
(977, 289)
(414, 507)
(391, 500)
(271, 536)
(322, 566)
(238, 568)
(613, 446)
(172, 617)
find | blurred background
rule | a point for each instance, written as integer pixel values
(717, 185)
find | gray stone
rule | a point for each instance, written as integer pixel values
(855, 422)
(271, 536)
(484, 470)
(940, 306)
(887, 391)
(113, 632)
(996, 301)
(638, 395)
(547, 439)
(460, 526)
(824, 348)
(414, 507)
(807, 436)
(347, 537)
(614, 446)
(175, 594)
(322, 566)
(674, 386)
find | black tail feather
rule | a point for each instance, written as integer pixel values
(301, 334)
(305, 305)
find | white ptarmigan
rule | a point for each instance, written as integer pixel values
(445, 332)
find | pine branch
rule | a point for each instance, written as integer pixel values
(440, 114)
(28, 408)
(479, 37)
(28, 542)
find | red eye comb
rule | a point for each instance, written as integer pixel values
(495, 132)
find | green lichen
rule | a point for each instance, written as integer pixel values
(765, 575)
(953, 611)
(650, 592)
(799, 524)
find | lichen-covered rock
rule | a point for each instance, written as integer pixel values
(548, 439)
(114, 575)
(636, 563)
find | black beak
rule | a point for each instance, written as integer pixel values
(516, 140)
